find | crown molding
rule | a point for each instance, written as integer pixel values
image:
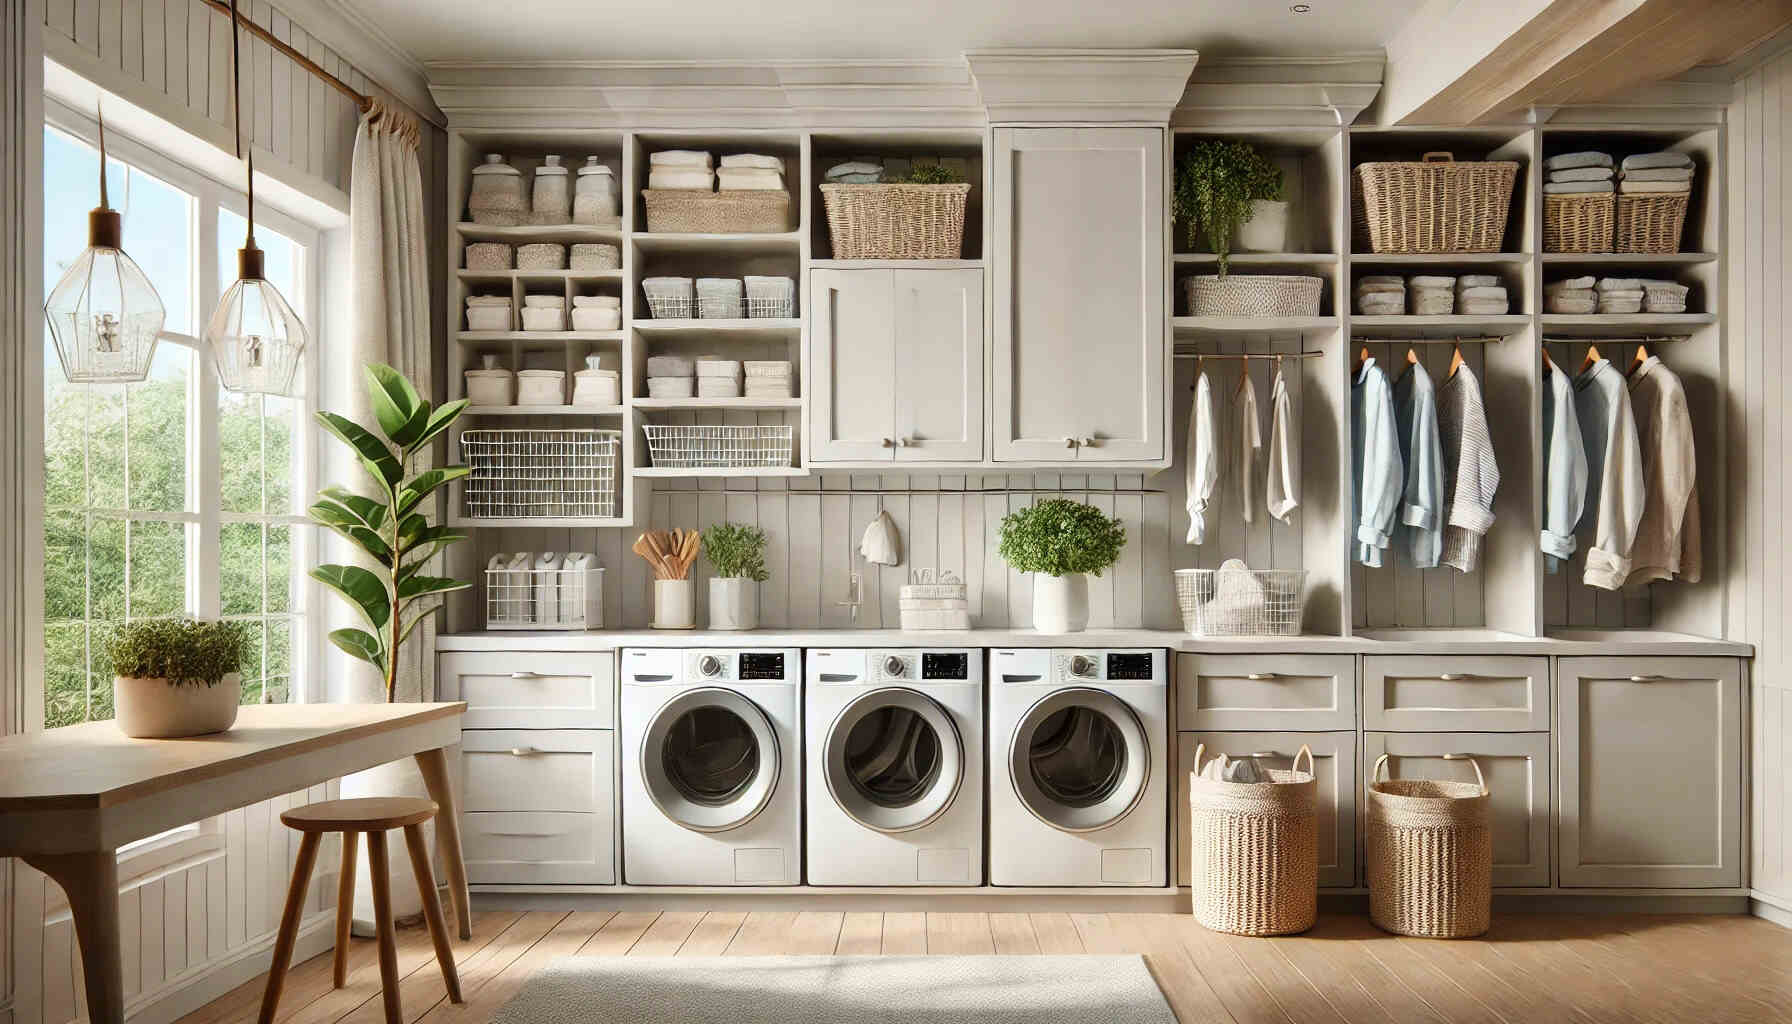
(1080, 85)
(1326, 91)
(1671, 102)
(368, 49)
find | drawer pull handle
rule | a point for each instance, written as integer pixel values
(1006, 678)
(1261, 677)
(1647, 679)
(1265, 753)
(652, 678)
(526, 835)
(838, 677)
(523, 751)
(1457, 677)
(525, 675)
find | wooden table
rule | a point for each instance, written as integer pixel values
(69, 798)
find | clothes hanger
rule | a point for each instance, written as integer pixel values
(1642, 356)
(1412, 356)
(1362, 357)
(1593, 356)
(1547, 365)
(1244, 376)
(1455, 359)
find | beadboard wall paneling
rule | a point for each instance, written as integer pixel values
(1760, 582)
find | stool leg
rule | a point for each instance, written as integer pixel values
(432, 910)
(381, 880)
(289, 924)
(345, 905)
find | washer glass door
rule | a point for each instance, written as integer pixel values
(1079, 759)
(710, 759)
(895, 760)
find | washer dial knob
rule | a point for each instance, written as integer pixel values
(709, 665)
(1082, 666)
(895, 667)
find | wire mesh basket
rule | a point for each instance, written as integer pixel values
(544, 599)
(773, 297)
(718, 447)
(670, 298)
(1241, 602)
(527, 474)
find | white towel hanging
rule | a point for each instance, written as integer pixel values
(882, 544)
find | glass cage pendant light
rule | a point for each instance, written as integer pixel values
(104, 315)
(255, 337)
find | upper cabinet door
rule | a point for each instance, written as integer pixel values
(1081, 356)
(852, 361)
(939, 365)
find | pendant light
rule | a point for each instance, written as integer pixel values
(104, 314)
(255, 338)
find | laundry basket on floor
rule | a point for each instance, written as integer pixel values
(1430, 853)
(1254, 853)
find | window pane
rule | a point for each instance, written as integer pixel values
(65, 681)
(65, 439)
(239, 449)
(65, 566)
(279, 661)
(105, 445)
(280, 574)
(105, 568)
(240, 568)
(158, 570)
(99, 672)
(253, 635)
(158, 429)
(280, 414)
(158, 234)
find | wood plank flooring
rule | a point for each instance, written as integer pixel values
(1561, 969)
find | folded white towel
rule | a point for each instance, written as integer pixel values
(1619, 284)
(680, 158)
(1643, 161)
(1430, 281)
(853, 167)
(1560, 304)
(1630, 186)
(1428, 303)
(1482, 307)
(1571, 282)
(1585, 158)
(682, 179)
(749, 179)
(1482, 292)
(670, 366)
(753, 160)
(1582, 174)
(1576, 188)
(1378, 288)
(1659, 174)
(1383, 279)
(1478, 281)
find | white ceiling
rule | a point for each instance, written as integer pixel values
(442, 30)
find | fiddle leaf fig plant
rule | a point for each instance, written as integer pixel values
(737, 551)
(1060, 537)
(1216, 182)
(390, 527)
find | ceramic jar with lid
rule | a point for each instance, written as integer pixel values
(496, 197)
(594, 201)
(553, 193)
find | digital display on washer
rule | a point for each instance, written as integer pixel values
(1129, 666)
(945, 665)
(760, 665)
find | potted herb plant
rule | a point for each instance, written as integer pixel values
(1060, 542)
(176, 677)
(1230, 193)
(738, 553)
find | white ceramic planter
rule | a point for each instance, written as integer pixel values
(151, 709)
(674, 604)
(733, 603)
(1060, 603)
(1267, 230)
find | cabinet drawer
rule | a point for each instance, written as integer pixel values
(1290, 692)
(530, 847)
(532, 689)
(565, 770)
(1334, 766)
(1456, 694)
(1516, 766)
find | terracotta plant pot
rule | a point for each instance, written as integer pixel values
(154, 709)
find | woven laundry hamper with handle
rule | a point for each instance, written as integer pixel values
(1254, 850)
(1430, 852)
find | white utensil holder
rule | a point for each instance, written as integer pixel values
(674, 604)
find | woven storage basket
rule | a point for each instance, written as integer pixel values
(1432, 205)
(1253, 295)
(1651, 223)
(747, 211)
(896, 221)
(1430, 853)
(1580, 223)
(1254, 850)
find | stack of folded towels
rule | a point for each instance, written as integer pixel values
(855, 172)
(671, 377)
(1664, 296)
(1619, 295)
(1573, 295)
(1380, 295)
(751, 172)
(1585, 173)
(1430, 294)
(768, 378)
(1481, 295)
(718, 377)
(689, 170)
(1655, 173)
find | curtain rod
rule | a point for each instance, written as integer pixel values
(362, 100)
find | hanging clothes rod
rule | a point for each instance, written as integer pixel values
(1249, 355)
(1430, 341)
(362, 100)
(1591, 340)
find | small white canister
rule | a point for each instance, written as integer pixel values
(594, 201)
(496, 197)
(596, 312)
(597, 387)
(490, 385)
(553, 194)
(541, 387)
(544, 313)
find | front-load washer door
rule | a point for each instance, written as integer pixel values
(1079, 759)
(709, 759)
(895, 759)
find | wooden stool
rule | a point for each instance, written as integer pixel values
(373, 816)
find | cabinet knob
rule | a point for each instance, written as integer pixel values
(1265, 753)
(1087, 442)
(903, 442)
(889, 442)
(523, 751)
(1070, 442)
(1258, 677)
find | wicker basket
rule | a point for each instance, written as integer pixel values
(1430, 854)
(1433, 205)
(896, 221)
(1254, 850)
(1579, 223)
(742, 211)
(1253, 295)
(1651, 222)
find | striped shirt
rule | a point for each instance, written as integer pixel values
(1471, 473)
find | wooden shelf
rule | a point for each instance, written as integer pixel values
(1644, 258)
(743, 242)
(765, 325)
(717, 403)
(539, 275)
(1257, 258)
(1597, 324)
(658, 471)
(1252, 324)
(1435, 258)
(545, 410)
(471, 337)
(1442, 325)
(527, 522)
(523, 234)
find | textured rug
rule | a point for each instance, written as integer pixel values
(842, 990)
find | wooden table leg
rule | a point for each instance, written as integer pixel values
(434, 766)
(91, 882)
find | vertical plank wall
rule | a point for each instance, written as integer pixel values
(1760, 599)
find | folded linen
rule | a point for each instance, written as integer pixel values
(1482, 292)
(1478, 281)
(1381, 308)
(1431, 281)
(691, 179)
(1575, 283)
(1585, 158)
(671, 387)
(1619, 284)
(749, 179)
(1632, 187)
(1576, 188)
(1659, 174)
(1561, 304)
(1365, 288)
(1482, 307)
(853, 167)
(1582, 174)
(670, 366)
(1382, 279)
(1426, 302)
(680, 158)
(856, 179)
(1627, 306)
(1643, 161)
(754, 160)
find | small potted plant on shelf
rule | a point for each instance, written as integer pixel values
(176, 677)
(1232, 194)
(1059, 542)
(738, 553)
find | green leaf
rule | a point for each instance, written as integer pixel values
(365, 539)
(369, 511)
(363, 589)
(375, 455)
(360, 644)
(401, 412)
(439, 421)
(420, 586)
(425, 483)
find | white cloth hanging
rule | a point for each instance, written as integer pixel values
(1614, 473)
(1564, 469)
(1471, 472)
(1667, 535)
(1283, 495)
(1421, 520)
(1201, 471)
(881, 544)
(1378, 474)
(1242, 448)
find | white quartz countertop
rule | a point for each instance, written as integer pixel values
(1441, 641)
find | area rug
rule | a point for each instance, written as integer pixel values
(841, 990)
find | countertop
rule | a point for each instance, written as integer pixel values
(1565, 643)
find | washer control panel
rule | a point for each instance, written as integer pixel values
(727, 666)
(1106, 666)
(947, 665)
(761, 665)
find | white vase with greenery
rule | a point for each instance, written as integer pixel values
(1060, 542)
(737, 552)
(176, 678)
(1220, 185)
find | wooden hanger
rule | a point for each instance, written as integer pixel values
(1642, 356)
(1593, 356)
(1362, 357)
(1547, 365)
(1412, 356)
(1455, 359)
(1244, 376)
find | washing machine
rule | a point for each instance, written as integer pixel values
(894, 749)
(711, 767)
(1078, 767)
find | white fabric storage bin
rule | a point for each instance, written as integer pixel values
(489, 387)
(541, 256)
(711, 367)
(537, 318)
(595, 318)
(488, 313)
(773, 297)
(718, 298)
(597, 387)
(670, 366)
(671, 387)
(718, 387)
(541, 387)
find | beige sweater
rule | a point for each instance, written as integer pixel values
(1667, 536)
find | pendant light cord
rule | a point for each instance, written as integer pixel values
(236, 110)
(100, 108)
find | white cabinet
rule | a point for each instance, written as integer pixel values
(895, 365)
(1516, 767)
(1294, 692)
(1081, 354)
(1650, 761)
(1408, 693)
(531, 689)
(1334, 769)
(539, 805)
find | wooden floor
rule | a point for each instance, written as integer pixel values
(1557, 969)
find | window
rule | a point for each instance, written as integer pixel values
(170, 496)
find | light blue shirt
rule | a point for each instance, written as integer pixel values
(1421, 527)
(1375, 459)
(1564, 469)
